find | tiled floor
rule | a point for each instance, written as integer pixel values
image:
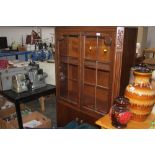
(50, 108)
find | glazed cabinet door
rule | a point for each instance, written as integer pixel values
(96, 72)
(104, 48)
(63, 68)
(69, 68)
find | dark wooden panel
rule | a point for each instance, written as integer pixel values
(63, 80)
(117, 64)
(103, 78)
(73, 72)
(90, 48)
(89, 75)
(63, 47)
(104, 52)
(103, 66)
(102, 103)
(68, 113)
(129, 56)
(74, 46)
(63, 59)
(73, 61)
(78, 29)
(90, 64)
(73, 94)
(116, 76)
(88, 97)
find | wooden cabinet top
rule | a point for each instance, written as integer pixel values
(105, 122)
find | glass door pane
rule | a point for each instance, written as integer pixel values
(103, 78)
(74, 46)
(73, 91)
(88, 97)
(63, 47)
(90, 47)
(104, 50)
(102, 100)
(63, 80)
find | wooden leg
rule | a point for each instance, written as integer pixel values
(42, 103)
(22, 106)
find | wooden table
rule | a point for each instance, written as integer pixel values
(105, 123)
(18, 98)
(150, 61)
(149, 50)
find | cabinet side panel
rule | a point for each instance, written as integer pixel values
(129, 56)
(117, 63)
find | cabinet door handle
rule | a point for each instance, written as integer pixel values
(105, 50)
(62, 76)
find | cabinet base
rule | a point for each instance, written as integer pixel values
(66, 114)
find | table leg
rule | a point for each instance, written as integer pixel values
(26, 57)
(19, 117)
(42, 103)
(16, 56)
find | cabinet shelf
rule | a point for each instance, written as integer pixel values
(99, 86)
(98, 60)
(75, 80)
(97, 65)
(89, 84)
(106, 88)
(73, 102)
(73, 63)
(67, 99)
(92, 109)
(69, 60)
(73, 60)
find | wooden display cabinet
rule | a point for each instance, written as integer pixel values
(91, 69)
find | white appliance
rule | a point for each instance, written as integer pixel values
(48, 68)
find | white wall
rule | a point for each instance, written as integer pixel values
(48, 33)
(151, 37)
(141, 39)
(16, 33)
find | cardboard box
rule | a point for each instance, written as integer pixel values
(2, 101)
(6, 112)
(5, 125)
(45, 122)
